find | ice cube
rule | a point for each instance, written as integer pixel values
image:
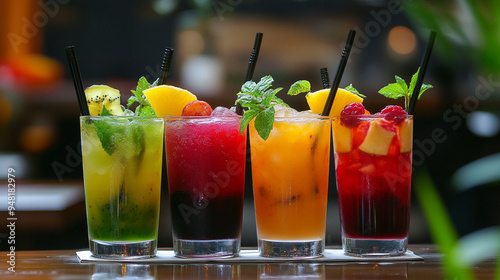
(283, 111)
(223, 112)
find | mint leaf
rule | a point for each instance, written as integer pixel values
(105, 132)
(249, 87)
(353, 90)
(144, 107)
(264, 83)
(392, 91)
(299, 87)
(105, 112)
(423, 89)
(403, 86)
(413, 81)
(264, 122)
(247, 117)
(401, 89)
(260, 100)
(269, 96)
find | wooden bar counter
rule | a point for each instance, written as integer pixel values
(64, 264)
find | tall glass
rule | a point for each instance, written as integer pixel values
(373, 162)
(206, 181)
(122, 160)
(290, 186)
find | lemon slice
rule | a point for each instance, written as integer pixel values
(168, 100)
(101, 95)
(317, 100)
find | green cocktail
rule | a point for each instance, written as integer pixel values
(122, 160)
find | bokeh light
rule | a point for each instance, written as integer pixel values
(483, 124)
(402, 40)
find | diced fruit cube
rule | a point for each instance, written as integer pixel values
(406, 136)
(377, 140)
(342, 138)
(197, 108)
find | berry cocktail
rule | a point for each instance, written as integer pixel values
(373, 165)
(206, 179)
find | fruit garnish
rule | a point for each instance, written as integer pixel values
(223, 112)
(406, 136)
(144, 107)
(343, 97)
(377, 140)
(401, 89)
(168, 100)
(349, 116)
(342, 140)
(102, 96)
(394, 113)
(197, 108)
(260, 100)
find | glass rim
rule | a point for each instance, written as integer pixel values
(200, 117)
(120, 117)
(371, 116)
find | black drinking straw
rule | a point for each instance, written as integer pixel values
(340, 71)
(325, 79)
(77, 80)
(421, 73)
(251, 65)
(165, 65)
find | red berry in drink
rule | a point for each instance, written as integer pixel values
(349, 116)
(394, 113)
(197, 108)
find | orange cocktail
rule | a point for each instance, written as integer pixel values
(290, 185)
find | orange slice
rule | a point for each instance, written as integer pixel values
(168, 100)
(317, 100)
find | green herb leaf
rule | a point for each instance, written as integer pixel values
(355, 91)
(144, 107)
(392, 91)
(105, 132)
(264, 122)
(423, 89)
(401, 89)
(264, 83)
(105, 111)
(299, 87)
(260, 100)
(248, 115)
(403, 86)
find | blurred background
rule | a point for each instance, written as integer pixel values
(457, 122)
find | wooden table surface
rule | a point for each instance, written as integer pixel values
(64, 264)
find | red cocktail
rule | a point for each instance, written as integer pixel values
(206, 178)
(373, 166)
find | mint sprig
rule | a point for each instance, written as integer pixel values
(144, 107)
(401, 89)
(260, 100)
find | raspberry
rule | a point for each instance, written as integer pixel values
(348, 116)
(197, 108)
(394, 113)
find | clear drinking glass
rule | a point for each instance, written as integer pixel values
(290, 186)
(206, 181)
(373, 163)
(122, 161)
